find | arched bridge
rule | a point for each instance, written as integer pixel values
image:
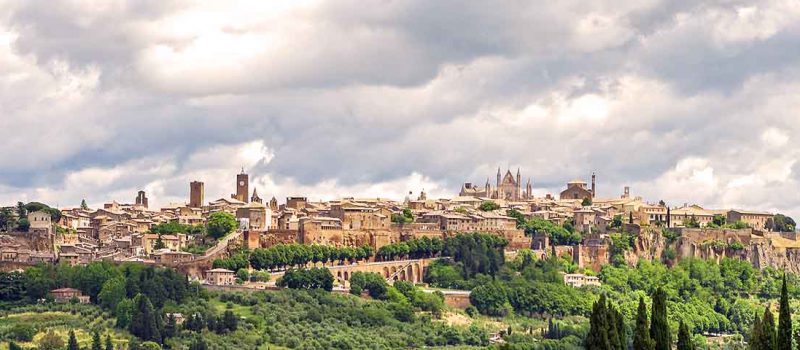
(402, 270)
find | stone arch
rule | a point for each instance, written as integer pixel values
(339, 274)
(402, 276)
(386, 272)
(346, 276)
(410, 274)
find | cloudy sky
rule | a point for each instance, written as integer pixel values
(685, 101)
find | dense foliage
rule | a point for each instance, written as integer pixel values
(414, 248)
(220, 224)
(299, 255)
(313, 278)
(559, 235)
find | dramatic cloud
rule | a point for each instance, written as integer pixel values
(685, 101)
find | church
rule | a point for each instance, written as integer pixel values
(507, 188)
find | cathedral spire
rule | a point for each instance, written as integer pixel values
(255, 198)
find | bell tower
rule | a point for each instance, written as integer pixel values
(242, 187)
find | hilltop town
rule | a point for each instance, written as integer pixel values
(590, 230)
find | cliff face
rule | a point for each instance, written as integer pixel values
(762, 250)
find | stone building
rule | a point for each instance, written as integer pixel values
(66, 295)
(576, 189)
(242, 187)
(358, 216)
(196, 194)
(755, 219)
(40, 221)
(578, 280)
(257, 215)
(141, 200)
(220, 277)
(507, 188)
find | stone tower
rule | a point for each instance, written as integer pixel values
(519, 185)
(242, 187)
(141, 199)
(594, 193)
(273, 204)
(529, 189)
(498, 179)
(196, 194)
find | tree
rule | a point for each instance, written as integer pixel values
(374, 283)
(230, 320)
(756, 337)
(489, 206)
(659, 328)
(616, 221)
(84, 206)
(599, 327)
(220, 224)
(684, 337)
(51, 341)
(109, 343)
(784, 319)
(313, 278)
(617, 334)
(112, 292)
(22, 212)
(96, 341)
(23, 225)
(641, 335)
(22, 332)
(782, 223)
(242, 274)
(13, 346)
(718, 220)
(72, 344)
(159, 243)
(691, 222)
(171, 327)
(124, 311)
(490, 299)
(144, 320)
(7, 220)
(769, 338)
(586, 202)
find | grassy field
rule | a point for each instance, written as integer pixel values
(83, 320)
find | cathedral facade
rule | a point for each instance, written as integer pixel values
(507, 187)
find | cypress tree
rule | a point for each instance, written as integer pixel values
(171, 327)
(96, 341)
(641, 335)
(755, 334)
(72, 344)
(684, 337)
(232, 323)
(144, 321)
(13, 346)
(597, 339)
(769, 338)
(659, 328)
(109, 344)
(211, 322)
(621, 331)
(613, 328)
(784, 319)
